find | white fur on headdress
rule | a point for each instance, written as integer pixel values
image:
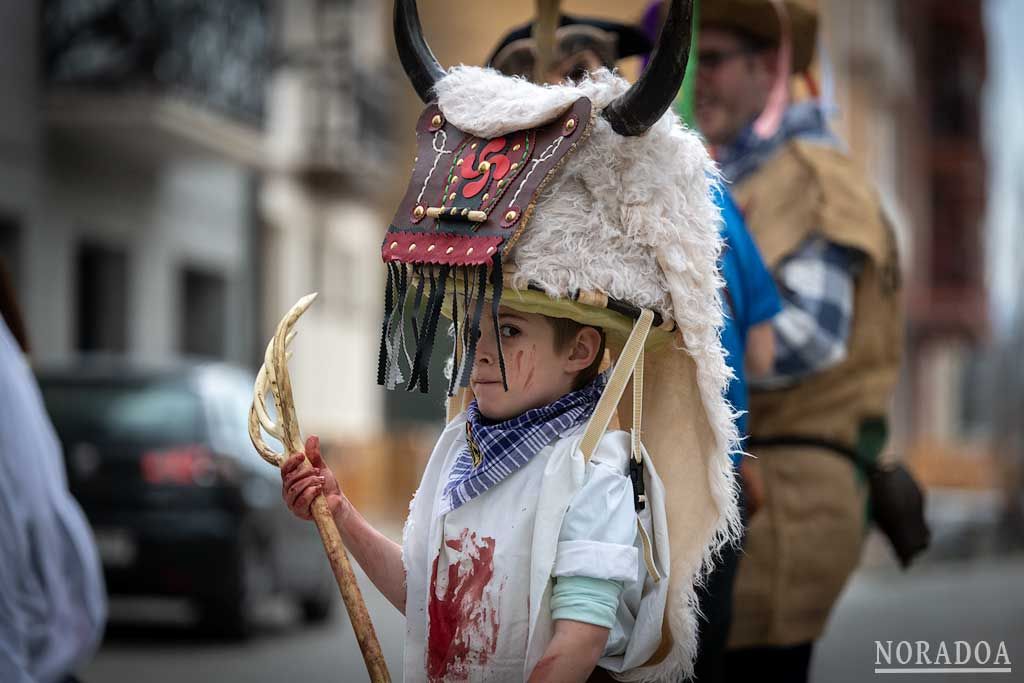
(632, 217)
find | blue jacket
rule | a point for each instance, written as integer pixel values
(749, 298)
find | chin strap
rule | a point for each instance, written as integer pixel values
(632, 352)
(636, 461)
(630, 363)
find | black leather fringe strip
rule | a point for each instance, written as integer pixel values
(422, 310)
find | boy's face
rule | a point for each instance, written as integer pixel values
(537, 373)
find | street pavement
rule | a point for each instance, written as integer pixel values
(157, 642)
(959, 600)
(968, 586)
(952, 594)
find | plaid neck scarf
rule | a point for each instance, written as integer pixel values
(496, 450)
(803, 120)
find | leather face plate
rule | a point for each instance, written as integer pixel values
(469, 197)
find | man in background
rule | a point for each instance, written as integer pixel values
(821, 230)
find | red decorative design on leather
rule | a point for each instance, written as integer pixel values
(451, 192)
(454, 250)
(498, 165)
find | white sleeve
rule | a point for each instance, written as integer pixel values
(14, 658)
(599, 528)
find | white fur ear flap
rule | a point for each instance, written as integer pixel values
(486, 103)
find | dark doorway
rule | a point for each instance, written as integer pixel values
(204, 313)
(102, 298)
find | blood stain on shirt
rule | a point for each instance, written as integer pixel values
(463, 620)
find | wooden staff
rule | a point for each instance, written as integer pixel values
(273, 376)
(544, 27)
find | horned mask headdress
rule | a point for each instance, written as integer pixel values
(587, 201)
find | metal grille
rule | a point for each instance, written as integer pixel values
(216, 53)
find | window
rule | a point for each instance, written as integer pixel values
(204, 313)
(102, 298)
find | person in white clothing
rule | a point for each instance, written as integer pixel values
(553, 225)
(53, 602)
(487, 513)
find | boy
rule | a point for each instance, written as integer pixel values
(553, 385)
(544, 221)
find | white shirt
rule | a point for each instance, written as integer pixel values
(479, 577)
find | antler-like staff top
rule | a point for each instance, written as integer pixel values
(273, 377)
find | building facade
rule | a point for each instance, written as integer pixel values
(173, 176)
(128, 177)
(330, 151)
(908, 81)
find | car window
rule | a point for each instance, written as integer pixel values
(156, 412)
(228, 399)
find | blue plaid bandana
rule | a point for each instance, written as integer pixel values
(496, 450)
(803, 120)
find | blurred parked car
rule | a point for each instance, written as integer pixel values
(180, 503)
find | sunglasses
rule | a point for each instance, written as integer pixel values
(712, 59)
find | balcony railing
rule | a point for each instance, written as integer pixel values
(213, 54)
(345, 124)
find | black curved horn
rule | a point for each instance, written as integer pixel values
(636, 110)
(419, 62)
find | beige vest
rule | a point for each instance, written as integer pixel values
(808, 188)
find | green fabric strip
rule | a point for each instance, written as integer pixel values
(687, 96)
(584, 599)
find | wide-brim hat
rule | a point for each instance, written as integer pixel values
(760, 19)
(629, 40)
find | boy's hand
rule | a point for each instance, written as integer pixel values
(299, 486)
